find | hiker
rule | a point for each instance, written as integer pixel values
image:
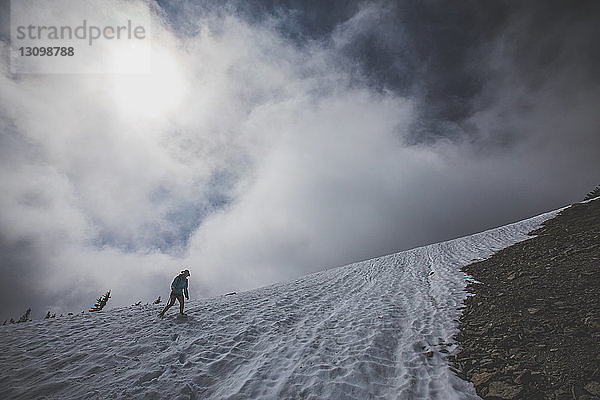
(179, 287)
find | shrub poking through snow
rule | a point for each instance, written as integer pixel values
(157, 301)
(48, 315)
(101, 302)
(593, 194)
(25, 317)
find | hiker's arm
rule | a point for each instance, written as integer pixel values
(185, 290)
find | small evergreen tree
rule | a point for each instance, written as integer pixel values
(47, 315)
(25, 317)
(157, 301)
(593, 194)
(101, 302)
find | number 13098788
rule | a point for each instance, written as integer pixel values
(54, 51)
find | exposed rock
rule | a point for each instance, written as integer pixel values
(593, 323)
(541, 338)
(524, 377)
(503, 390)
(481, 378)
(593, 388)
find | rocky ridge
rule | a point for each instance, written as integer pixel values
(531, 329)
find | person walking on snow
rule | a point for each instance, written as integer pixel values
(179, 287)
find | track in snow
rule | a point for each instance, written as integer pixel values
(374, 329)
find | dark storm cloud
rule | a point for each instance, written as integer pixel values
(310, 134)
(439, 53)
(433, 51)
(422, 49)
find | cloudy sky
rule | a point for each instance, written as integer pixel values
(272, 139)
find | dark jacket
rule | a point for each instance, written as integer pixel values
(180, 285)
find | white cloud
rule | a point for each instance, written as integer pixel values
(242, 156)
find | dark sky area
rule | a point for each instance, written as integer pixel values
(290, 136)
(434, 51)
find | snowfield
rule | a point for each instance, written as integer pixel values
(376, 329)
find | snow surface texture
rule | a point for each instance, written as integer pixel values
(374, 329)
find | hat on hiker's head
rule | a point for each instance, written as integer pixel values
(186, 272)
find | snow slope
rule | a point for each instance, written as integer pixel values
(374, 329)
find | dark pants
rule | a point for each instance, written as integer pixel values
(172, 301)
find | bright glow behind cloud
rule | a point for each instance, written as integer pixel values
(151, 95)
